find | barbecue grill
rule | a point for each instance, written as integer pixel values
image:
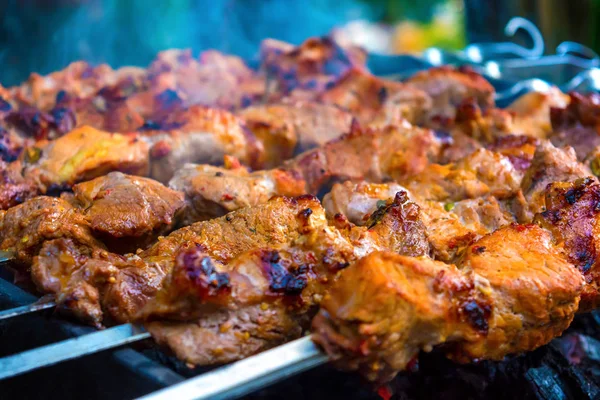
(120, 363)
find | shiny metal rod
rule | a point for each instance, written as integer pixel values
(37, 306)
(248, 375)
(6, 256)
(69, 349)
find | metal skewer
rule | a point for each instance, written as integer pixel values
(245, 376)
(69, 349)
(30, 308)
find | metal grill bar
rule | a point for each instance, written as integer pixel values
(245, 376)
(69, 349)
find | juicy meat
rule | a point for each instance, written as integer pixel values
(128, 212)
(549, 164)
(85, 153)
(511, 292)
(393, 152)
(372, 99)
(449, 87)
(26, 227)
(305, 70)
(214, 191)
(578, 124)
(267, 295)
(480, 173)
(357, 201)
(308, 124)
(14, 188)
(571, 214)
(453, 226)
(199, 134)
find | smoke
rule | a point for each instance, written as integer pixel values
(45, 35)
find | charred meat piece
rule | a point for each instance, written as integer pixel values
(128, 212)
(549, 164)
(571, 214)
(308, 124)
(375, 100)
(305, 70)
(137, 278)
(85, 153)
(211, 192)
(512, 292)
(267, 295)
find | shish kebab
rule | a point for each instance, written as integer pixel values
(567, 167)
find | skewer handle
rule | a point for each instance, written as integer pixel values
(248, 375)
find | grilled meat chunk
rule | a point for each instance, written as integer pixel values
(128, 212)
(357, 201)
(25, 228)
(578, 124)
(117, 210)
(392, 152)
(137, 278)
(372, 99)
(449, 87)
(549, 164)
(478, 174)
(386, 308)
(14, 188)
(199, 134)
(571, 214)
(267, 295)
(214, 191)
(303, 124)
(305, 70)
(85, 153)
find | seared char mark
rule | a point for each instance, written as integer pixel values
(477, 314)
(283, 277)
(199, 269)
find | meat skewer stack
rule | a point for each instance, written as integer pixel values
(445, 222)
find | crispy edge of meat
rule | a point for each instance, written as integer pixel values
(386, 308)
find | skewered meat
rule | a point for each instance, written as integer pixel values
(449, 87)
(511, 292)
(357, 201)
(577, 125)
(374, 99)
(309, 68)
(118, 210)
(214, 191)
(393, 152)
(14, 188)
(138, 277)
(128, 212)
(308, 124)
(267, 295)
